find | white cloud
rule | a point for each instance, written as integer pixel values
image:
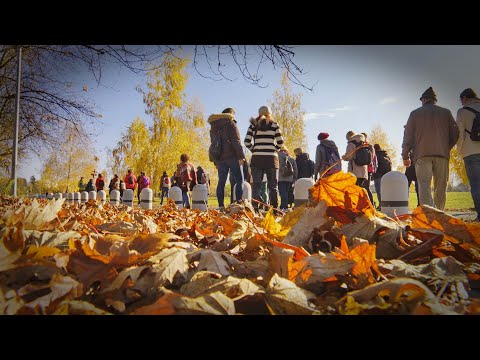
(388, 100)
(343, 108)
(314, 115)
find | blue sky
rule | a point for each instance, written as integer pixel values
(357, 87)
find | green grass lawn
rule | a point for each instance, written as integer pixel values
(455, 201)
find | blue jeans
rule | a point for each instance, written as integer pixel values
(224, 167)
(283, 188)
(472, 166)
(186, 200)
(164, 194)
(272, 184)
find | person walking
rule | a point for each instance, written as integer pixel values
(226, 152)
(186, 178)
(130, 180)
(326, 155)
(165, 186)
(114, 184)
(287, 175)
(100, 182)
(264, 139)
(81, 185)
(412, 176)
(384, 165)
(431, 131)
(360, 171)
(468, 119)
(305, 166)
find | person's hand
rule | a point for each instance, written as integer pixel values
(407, 162)
(241, 162)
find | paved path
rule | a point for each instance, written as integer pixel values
(469, 215)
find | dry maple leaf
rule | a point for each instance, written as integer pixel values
(317, 268)
(211, 304)
(230, 286)
(162, 306)
(133, 273)
(38, 218)
(365, 259)
(59, 286)
(374, 229)
(455, 230)
(214, 261)
(168, 263)
(310, 219)
(280, 229)
(144, 243)
(89, 270)
(42, 251)
(76, 307)
(340, 190)
(400, 295)
(435, 274)
(283, 297)
(12, 242)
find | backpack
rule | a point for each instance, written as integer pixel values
(130, 179)
(363, 156)
(185, 174)
(203, 178)
(101, 184)
(331, 157)
(145, 182)
(384, 163)
(215, 149)
(475, 130)
(287, 168)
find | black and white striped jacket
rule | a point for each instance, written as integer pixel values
(264, 143)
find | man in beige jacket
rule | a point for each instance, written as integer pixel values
(431, 132)
(469, 149)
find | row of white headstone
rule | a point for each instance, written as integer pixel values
(394, 193)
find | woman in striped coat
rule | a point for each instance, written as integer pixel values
(264, 139)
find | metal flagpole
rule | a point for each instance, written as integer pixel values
(16, 124)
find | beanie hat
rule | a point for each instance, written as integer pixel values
(469, 94)
(264, 110)
(429, 93)
(323, 136)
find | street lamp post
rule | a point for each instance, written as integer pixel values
(16, 124)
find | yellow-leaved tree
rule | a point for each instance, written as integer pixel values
(288, 113)
(62, 169)
(457, 166)
(177, 127)
(378, 136)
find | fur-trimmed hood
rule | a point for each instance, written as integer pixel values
(214, 117)
(358, 137)
(255, 122)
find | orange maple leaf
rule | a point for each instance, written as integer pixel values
(340, 190)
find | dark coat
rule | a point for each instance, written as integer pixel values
(226, 125)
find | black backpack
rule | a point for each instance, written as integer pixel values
(475, 130)
(215, 149)
(362, 156)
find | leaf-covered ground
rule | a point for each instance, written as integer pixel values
(335, 256)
